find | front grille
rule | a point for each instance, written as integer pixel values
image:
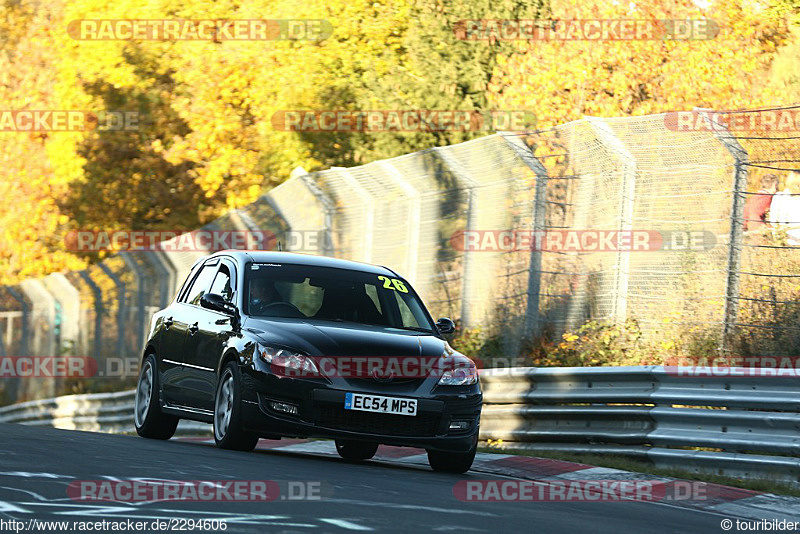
(369, 381)
(395, 386)
(336, 417)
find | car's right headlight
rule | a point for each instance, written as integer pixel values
(286, 362)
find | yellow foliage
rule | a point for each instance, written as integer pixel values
(562, 80)
(206, 107)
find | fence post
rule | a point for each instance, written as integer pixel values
(367, 201)
(163, 260)
(329, 209)
(246, 220)
(736, 234)
(42, 316)
(153, 259)
(626, 206)
(69, 298)
(26, 331)
(414, 219)
(140, 305)
(469, 295)
(533, 326)
(301, 207)
(99, 311)
(121, 308)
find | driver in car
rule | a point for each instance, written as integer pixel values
(262, 294)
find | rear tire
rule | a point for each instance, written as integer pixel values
(148, 418)
(356, 450)
(228, 433)
(451, 462)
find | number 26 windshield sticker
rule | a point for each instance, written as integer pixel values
(394, 284)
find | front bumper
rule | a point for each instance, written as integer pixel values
(321, 413)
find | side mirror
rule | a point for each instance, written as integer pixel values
(215, 302)
(445, 326)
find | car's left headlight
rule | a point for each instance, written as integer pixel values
(287, 362)
(463, 374)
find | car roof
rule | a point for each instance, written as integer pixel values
(293, 258)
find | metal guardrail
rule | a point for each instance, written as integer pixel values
(92, 412)
(746, 427)
(740, 426)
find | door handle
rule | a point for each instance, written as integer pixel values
(193, 329)
(168, 323)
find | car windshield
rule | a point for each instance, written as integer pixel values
(331, 294)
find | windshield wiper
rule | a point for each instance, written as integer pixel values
(417, 329)
(411, 328)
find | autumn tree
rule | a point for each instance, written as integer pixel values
(563, 80)
(206, 143)
(31, 225)
(439, 70)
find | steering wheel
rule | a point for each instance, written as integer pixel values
(289, 308)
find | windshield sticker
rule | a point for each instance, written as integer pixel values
(394, 284)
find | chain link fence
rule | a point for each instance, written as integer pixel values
(418, 213)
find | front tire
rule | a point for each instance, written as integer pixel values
(148, 418)
(228, 433)
(451, 462)
(356, 450)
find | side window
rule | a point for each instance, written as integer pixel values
(222, 283)
(186, 283)
(200, 284)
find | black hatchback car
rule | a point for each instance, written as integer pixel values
(274, 344)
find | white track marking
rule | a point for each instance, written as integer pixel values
(25, 474)
(344, 524)
(396, 506)
(8, 507)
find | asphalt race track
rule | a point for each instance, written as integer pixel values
(38, 464)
